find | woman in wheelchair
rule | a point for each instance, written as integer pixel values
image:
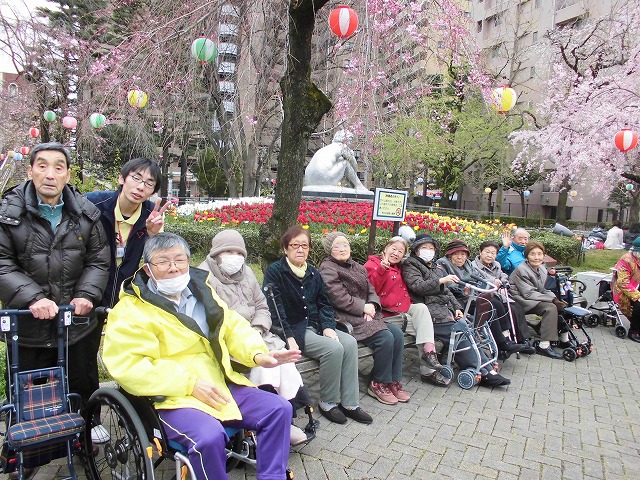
(428, 284)
(528, 282)
(238, 287)
(625, 288)
(170, 335)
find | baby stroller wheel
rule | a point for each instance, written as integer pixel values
(569, 354)
(593, 320)
(467, 378)
(447, 371)
(621, 332)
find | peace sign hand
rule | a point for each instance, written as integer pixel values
(155, 222)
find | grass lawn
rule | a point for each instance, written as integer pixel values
(598, 261)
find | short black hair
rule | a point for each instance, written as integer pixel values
(488, 244)
(139, 164)
(617, 223)
(55, 146)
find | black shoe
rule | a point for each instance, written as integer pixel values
(511, 347)
(549, 352)
(335, 415)
(562, 345)
(435, 378)
(634, 336)
(527, 349)
(357, 414)
(493, 380)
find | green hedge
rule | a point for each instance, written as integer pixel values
(199, 236)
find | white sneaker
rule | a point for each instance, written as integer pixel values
(99, 435)
(298, 437)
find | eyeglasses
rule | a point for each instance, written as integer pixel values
(138, 179)
(341, 246)
(296, 246)
(165, 265)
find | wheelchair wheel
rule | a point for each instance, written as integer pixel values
(593, 320)
(621, 332)
(467, 378)
(569, 354)
(124, 453)
(447, 371)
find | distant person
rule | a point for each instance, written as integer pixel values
(615, 237)
(598, 233)
(630, 235)
(511, 253)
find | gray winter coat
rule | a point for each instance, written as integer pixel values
(527, 286)
(423, 282)
(36, 263)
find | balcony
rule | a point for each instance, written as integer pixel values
(229, 50)
(227, 88)
(226, 69)
(568, 11)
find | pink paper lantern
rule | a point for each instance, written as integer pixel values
(626, 139)
(69, 123)
(343, 21)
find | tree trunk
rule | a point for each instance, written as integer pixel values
(304, 106)
(561, 209)
(522, 204)
(634, 208)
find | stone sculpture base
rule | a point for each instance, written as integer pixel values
(326, 191)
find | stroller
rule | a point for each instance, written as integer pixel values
(41, 416)
(608, 314)
(478, 334)
(572, 317)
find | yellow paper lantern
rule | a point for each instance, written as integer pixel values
(503, 99)
(137, 98)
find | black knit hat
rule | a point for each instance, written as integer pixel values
(421, 240)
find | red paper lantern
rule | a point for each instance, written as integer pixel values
(626, 139)
(25, 150)
(343, 21)
(69, 123)
(34, 132)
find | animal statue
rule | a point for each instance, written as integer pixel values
(333, 162)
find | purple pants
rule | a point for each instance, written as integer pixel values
(204, 436)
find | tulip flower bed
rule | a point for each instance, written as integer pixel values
(324, 216)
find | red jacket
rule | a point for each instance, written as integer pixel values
(389, 286)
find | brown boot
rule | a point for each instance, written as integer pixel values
(431, 360)
(436, 378)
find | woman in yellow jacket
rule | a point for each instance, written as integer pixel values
(171, 335)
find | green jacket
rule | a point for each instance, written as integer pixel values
(150, 349)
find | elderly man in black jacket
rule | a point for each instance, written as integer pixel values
(53, 251)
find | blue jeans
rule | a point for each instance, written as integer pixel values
(388, 349)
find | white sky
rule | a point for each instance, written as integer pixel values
(22, 8)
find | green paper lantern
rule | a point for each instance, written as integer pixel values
(49, 116)
(204, 50)
(97, 120)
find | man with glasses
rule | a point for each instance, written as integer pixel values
(129, 218)
(53, 252)
(171, 335)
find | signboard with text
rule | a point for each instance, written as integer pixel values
(390, 205)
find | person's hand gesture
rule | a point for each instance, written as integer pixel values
(330, 333)
(293, 345)
(83, 306)
(44, 309)
(451, 278)
(506, 240)
(156, 218)
(385, 261)
(277, 357)
(498, 282)
(459, 314)
(210, 394)
(369, 309)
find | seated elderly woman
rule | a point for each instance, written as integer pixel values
(486, 265)
(625, 288)
(309, 321)
(238, 287)
(386, 278)
(170, 335)
(354, 301)
(528, 290)
(428, 284)
(456, 262)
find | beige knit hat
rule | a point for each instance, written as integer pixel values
(227, 240)
(329, 238)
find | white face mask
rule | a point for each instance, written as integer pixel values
(231, 264)
(172, 286)
(426, 255)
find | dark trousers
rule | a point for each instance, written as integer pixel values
(205, 438)
(634, 321)
(388, 348)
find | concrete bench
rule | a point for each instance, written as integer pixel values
(309, 365)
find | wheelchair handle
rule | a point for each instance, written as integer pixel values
(488, 286)
(26, 311)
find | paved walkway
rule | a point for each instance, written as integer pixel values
(556, 420)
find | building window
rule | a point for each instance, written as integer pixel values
(534, 37)
(533, 72)
(441, 44)
(12, 88)
(497, 20)
(479, 26)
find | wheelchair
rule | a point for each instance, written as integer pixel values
(133, 443)
(41, 416)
